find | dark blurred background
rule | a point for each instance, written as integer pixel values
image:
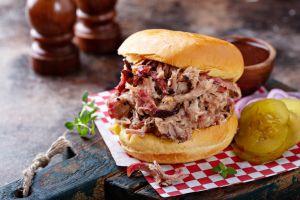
(33, 108)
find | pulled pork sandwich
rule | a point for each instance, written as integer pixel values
(175, 100)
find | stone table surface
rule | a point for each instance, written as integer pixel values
(34, 108)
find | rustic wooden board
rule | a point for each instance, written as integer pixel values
(90, 173)
(75, 177)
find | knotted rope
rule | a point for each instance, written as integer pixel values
(42, 160)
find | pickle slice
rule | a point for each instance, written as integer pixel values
(292, 105)
(258, 159)
(294, 130)
(263, 127)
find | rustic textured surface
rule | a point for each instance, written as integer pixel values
(33, 108)
(78, 176)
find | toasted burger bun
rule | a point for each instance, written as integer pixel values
(181, 49)
(203, 144)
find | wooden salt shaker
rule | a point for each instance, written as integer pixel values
(95, 30)
(53, 52)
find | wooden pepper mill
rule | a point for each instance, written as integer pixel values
(95, 30)
(53, 52)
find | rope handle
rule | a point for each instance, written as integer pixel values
(42, 160)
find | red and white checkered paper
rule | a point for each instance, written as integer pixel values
(201, 177)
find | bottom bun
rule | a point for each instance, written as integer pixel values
(203, 144)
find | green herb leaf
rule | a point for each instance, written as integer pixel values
(92, 104)
(85, 117)
(79, 130)
(231, 170)
(223, 170)
(224, 173)
(83, 131)
(76, 120)
(222, 166)
(84, 97)
(216, 169)
(93, 111)
(69, 125)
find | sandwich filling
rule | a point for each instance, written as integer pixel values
(170, 102)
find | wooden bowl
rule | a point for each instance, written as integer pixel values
(259, 57)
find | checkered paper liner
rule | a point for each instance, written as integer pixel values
(201, 177)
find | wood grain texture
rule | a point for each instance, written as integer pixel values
(52, 50)
(96, 30)
(79, 176)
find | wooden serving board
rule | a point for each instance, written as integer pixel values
(91, 173)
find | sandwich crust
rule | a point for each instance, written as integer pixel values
(182, 49)
(203, 144)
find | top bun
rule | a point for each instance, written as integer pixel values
(182, 49)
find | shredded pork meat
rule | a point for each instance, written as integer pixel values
(157, 173)
(160, 99)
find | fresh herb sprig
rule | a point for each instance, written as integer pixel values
(224, 170)
(84, 123)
